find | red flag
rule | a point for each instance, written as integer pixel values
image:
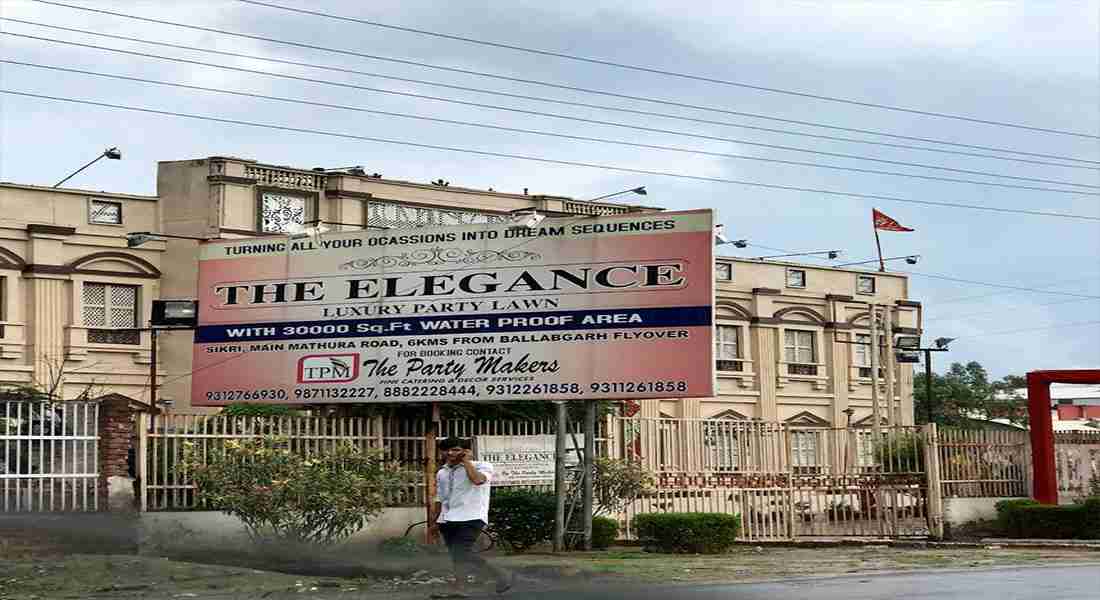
(886, 223)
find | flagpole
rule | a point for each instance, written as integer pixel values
(878, 244)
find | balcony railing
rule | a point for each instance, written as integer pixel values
(797, 369)
(729, 365)
(130, 337)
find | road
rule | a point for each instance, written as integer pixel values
(1027, 583)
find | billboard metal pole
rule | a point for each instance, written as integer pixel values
(589, 466)
(559, 475)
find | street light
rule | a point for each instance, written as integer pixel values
(941, 346)
(137, 238)
(640, 190)
(111, 153)
(830, 253)
(910, 259)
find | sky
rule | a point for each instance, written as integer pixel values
(1030, 63)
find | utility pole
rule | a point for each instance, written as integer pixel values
(893, 412)
(928, 383)
(876, 426)
(941, 346)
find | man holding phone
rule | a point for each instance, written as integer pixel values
(461, 510)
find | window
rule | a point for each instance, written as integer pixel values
(727, 348)
(796, 278)
(862, 353)
(865, 284)
(722, 449)
(799, 352)
(110, 313)
(723, 271)
(865, 449)
(278, 211)
(105, 212)
(804, 452)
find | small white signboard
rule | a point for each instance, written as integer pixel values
(523, 459)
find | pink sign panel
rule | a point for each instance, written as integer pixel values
(584, 307)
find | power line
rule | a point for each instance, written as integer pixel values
(667, 73)
(562, 135)
(1076, 280)
(570, 163)
(556, 101)
(540, 83)
(1001, 285)
(993, 312)
(1027, 329)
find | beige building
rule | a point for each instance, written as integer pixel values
(75, 298)
(72, 296)
(792, 344)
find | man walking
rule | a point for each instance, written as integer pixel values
(461, 511)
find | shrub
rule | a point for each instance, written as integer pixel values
(617, 483)
(605, 532)
(698, 533)
(245, 409)
(400, 546)
(282, 496)
(1028, 519)
(901, 453)
(522, 518)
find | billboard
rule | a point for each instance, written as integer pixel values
(523, 459)
(573, 308)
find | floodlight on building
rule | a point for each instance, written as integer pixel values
(526, 220)
(942, 342)
(720, 235)
(297, 231)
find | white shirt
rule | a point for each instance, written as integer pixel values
(461, 499)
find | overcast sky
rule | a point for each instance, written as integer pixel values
(1034, 63)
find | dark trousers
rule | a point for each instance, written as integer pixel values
(460, 537)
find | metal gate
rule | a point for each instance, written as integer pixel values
(50, 456)
(787, 482)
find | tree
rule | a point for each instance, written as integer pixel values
(965, 392)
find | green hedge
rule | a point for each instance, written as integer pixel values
(1029, 519)
(691, 533)
(522, 518)
(605, 532)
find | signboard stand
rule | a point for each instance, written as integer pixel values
(559, 475)
(589, 464)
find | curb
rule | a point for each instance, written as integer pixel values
(1084, 545)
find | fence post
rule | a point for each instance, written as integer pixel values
(114, 488)
(141, 461)
(934, 493)
(431, 432)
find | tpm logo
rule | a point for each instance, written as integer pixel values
(328, 368)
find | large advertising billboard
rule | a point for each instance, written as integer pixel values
(572, 308)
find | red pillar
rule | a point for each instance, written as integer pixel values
(1045, 488)
(1042, 427)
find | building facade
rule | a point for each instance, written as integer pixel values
(73, 297)
(790, 338)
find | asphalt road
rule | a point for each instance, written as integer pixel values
(1029, 583)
